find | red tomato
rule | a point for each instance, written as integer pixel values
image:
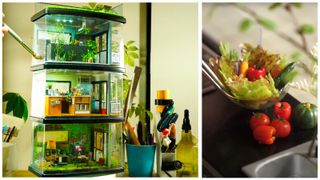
(255, 74)
(259, 119)
(283, 127)
(264, 134)
(282, 110)
(251, 74)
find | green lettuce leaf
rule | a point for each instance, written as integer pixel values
(261, 89)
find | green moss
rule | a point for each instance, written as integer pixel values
(73, 167)
(85, 10)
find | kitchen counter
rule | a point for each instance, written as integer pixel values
(228, 143)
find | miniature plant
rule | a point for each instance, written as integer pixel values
(59, 52)
(70, 55)
(17, 104)
(84, 30)
(91, 52)
(68, 97)
(97, 7)
(88, 57)
(59, 42)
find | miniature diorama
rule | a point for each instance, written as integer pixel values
(76, 35)
(77, 92)
(62, 149)
(81, 93)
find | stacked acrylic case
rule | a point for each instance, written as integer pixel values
(77, 95)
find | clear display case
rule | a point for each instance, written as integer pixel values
(65, 92)
(77, 92)
(69, 149)
(67, 34)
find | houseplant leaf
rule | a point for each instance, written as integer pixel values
(12, 99)
(297, 5)
(17, 104)
(18, 109)
(128, 60)
(245, 25)
(132, 48)
(274, 6)
(150, 114)
(130, 42)
(25, 112)
(306, 29)
(266, 23)
(133, 55)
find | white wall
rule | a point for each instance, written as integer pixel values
(17, 76)
(174, 58)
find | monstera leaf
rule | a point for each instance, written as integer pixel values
(17, 104)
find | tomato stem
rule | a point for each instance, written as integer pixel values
(307, 105)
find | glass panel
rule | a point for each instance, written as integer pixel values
(116, 86)
(117, 45)
(38, 146)
(116, 150)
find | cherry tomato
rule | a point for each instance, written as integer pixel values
(283, 127)
(255, 74)
(258, 119)
(264, 134)
(282, 110)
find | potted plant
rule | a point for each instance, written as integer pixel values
(140, 156)
(91, 51)
(140, 147)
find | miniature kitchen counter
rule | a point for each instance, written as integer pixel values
(228, 143)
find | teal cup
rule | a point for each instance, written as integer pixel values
(140, 160)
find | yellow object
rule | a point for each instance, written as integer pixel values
(187, 153)
(57, 136)
(51, 144)
(81, 106)
(244, 68)
(162, 94)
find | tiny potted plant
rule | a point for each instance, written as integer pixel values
(91, 52)
(88, 57)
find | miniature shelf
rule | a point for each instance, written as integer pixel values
(65, 10)
(77, 66)
(76, 173)
(93, 118)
